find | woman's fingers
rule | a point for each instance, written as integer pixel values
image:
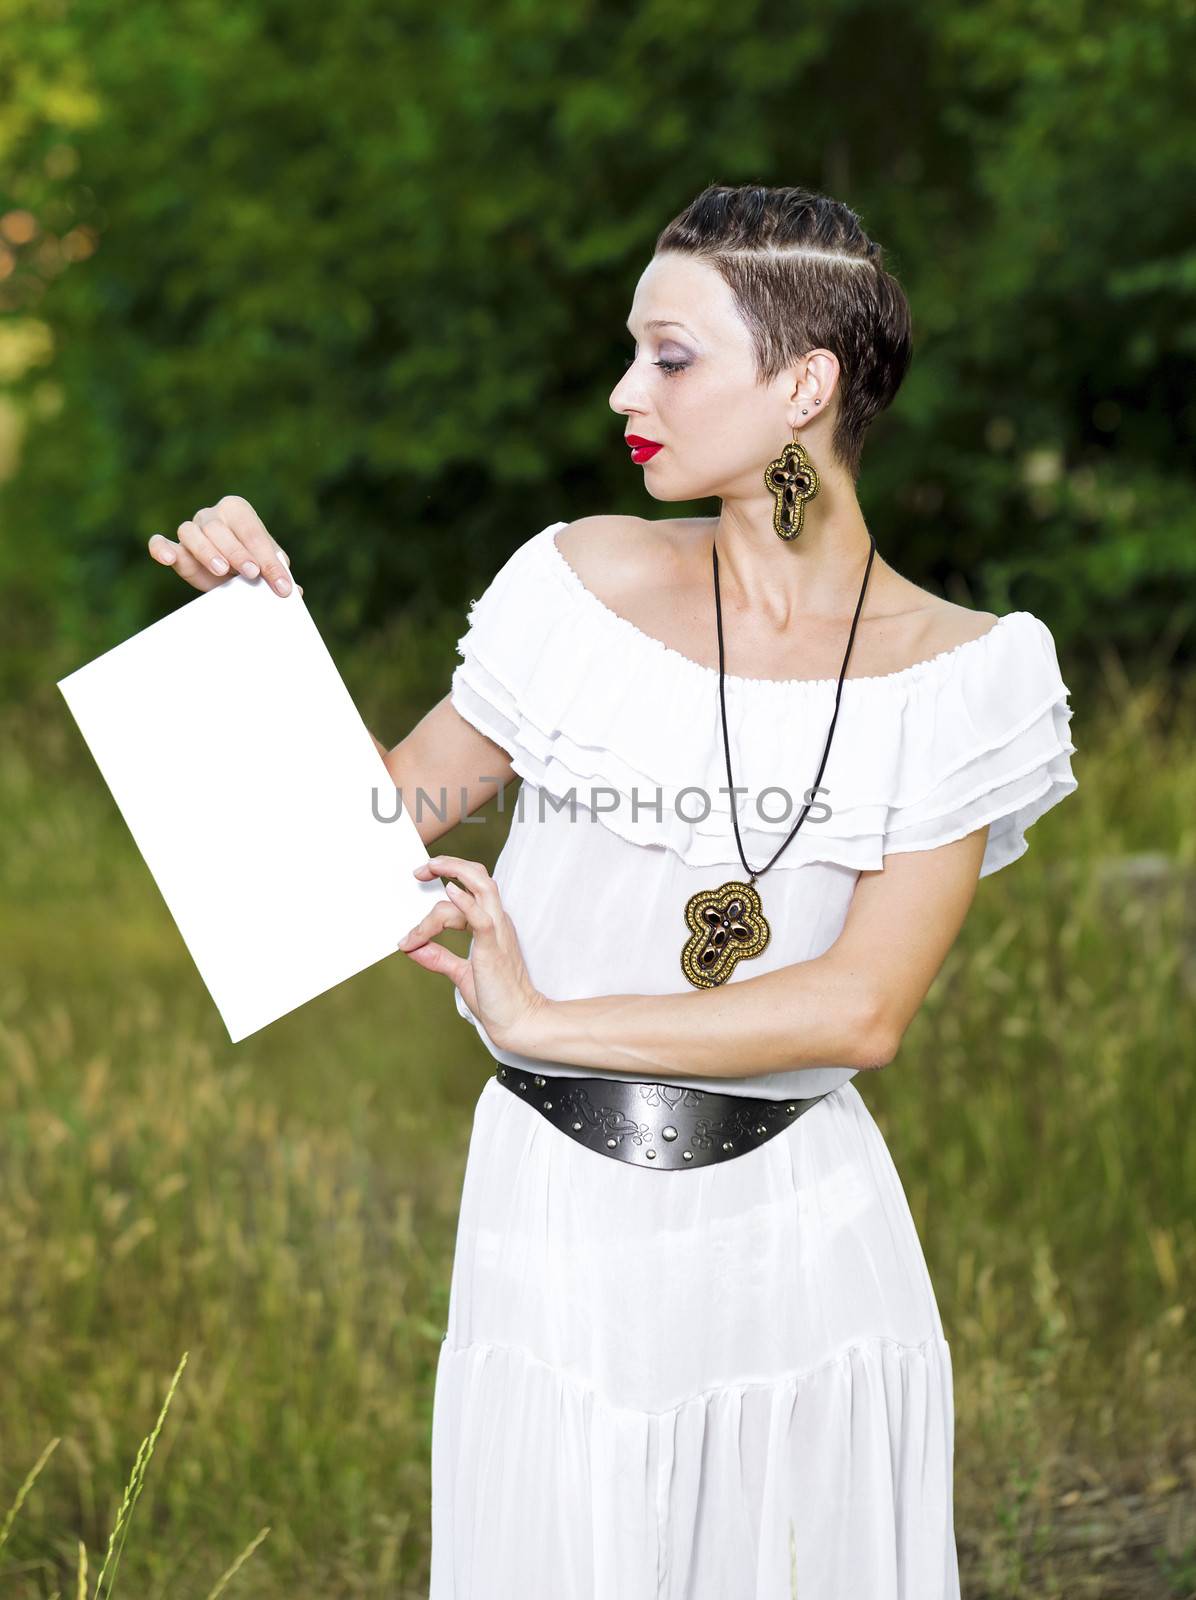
(188, 566)
(219, 534)
(220, 540)
(235, 512)
(444, 914)
(194, 539)
(168, 554)
(493, 980)
(476, 880)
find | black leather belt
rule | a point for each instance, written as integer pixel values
(663, 1125)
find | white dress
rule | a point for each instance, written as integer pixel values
(731, 1382)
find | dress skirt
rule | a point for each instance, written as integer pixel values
(726, 1383)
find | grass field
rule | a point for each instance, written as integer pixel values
(272, 1210)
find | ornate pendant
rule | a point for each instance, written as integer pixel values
(727, 925)
(793, 481)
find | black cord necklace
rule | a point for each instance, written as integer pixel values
(727, 925)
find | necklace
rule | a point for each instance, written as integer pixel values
(727, 925)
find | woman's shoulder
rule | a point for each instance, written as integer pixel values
(605, 554)
(619, 557)
(568, 669)
(612, 552)
(937, 627)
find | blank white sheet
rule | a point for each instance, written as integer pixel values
(256, 795)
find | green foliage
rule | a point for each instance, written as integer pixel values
(370, 268)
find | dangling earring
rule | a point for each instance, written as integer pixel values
(792, 480)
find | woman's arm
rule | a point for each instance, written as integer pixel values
(848, 1007)
(457, 768)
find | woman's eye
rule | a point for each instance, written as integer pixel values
(665, 366)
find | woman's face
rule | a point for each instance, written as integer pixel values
(691, 387)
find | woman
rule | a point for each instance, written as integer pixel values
(693, 1348)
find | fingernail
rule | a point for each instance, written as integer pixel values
(282, 584)
(251, 569)
(219, 564)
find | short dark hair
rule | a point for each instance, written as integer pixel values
(805, 274)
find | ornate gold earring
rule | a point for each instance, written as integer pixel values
(792, 480)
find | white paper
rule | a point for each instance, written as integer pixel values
(254, 791)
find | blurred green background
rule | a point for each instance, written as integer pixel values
(369, 267)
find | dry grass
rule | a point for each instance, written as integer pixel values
(272, 1211)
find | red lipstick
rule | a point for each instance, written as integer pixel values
(642, 449)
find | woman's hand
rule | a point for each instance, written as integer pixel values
(494, 982)
(220, 540)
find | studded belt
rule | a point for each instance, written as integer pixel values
(663, 1125)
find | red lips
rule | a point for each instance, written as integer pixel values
(642, 449)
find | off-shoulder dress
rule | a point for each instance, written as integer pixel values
(730, 1383)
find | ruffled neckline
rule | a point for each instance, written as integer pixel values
(709, 675)
(583, 700)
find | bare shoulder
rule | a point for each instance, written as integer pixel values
(619, 556)
(946, 625)
(927, 623)
(611, 552)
